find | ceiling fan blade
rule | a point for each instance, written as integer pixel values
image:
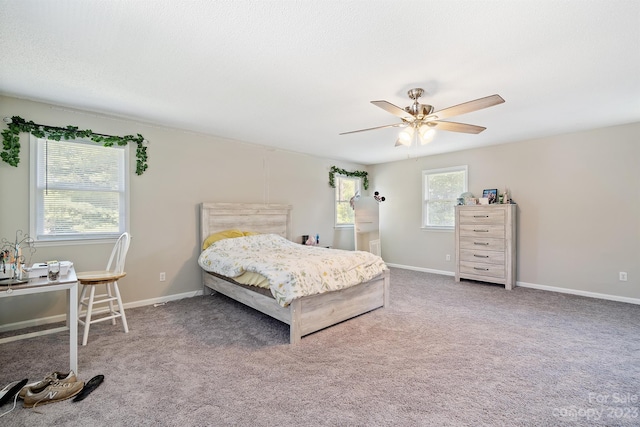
(394, 109)
(456, 127)
(467, 107)
(377, 127)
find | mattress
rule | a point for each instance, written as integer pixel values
(292, 270)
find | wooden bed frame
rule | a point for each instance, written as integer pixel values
(304, 315)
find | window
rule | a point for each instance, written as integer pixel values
(441, 188)
(79, 190)
(346, 189)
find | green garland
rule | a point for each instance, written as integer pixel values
(11, 140)
(335, 170)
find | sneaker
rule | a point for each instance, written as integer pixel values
(53, 392)
(52, 377)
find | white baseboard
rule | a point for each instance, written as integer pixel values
(580, 293)
(164, 299)
(425, 270)
(536, 286)
(62, 317)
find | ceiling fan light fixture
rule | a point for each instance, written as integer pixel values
(426, 134)
(405, 136)
(421, 117)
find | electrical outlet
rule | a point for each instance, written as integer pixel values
(623, 276)
(447, 257)
(163, 276)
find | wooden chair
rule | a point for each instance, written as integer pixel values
(109, 277)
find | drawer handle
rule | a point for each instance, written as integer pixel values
(482, 269)
(481, 243)
(481, 256)
(481, 231)
(481, 216)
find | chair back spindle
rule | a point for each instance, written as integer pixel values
(119, 254)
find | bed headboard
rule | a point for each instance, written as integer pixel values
(262, 218)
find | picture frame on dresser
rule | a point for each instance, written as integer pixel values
(491, 194)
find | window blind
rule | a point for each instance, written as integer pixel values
(80, 190)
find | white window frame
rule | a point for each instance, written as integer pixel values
(425, 193)
(338, 179)
(36, 200)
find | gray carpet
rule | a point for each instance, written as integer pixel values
(443, 354)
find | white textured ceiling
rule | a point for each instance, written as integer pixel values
(294, 74)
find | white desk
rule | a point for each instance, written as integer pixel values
(39, 285)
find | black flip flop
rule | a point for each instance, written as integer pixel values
(91, 385)
(12, 392)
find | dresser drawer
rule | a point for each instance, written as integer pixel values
(482, 216)
(482, 269)
(489, 257)
(482, 243)
(482, 230)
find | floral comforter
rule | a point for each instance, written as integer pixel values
(293, 270)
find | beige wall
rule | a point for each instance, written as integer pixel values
(578, 199)
(184, 169)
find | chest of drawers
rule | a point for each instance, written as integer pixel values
(486, 243)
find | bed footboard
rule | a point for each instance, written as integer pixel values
(317, 312)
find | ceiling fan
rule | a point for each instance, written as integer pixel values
(421, 117)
